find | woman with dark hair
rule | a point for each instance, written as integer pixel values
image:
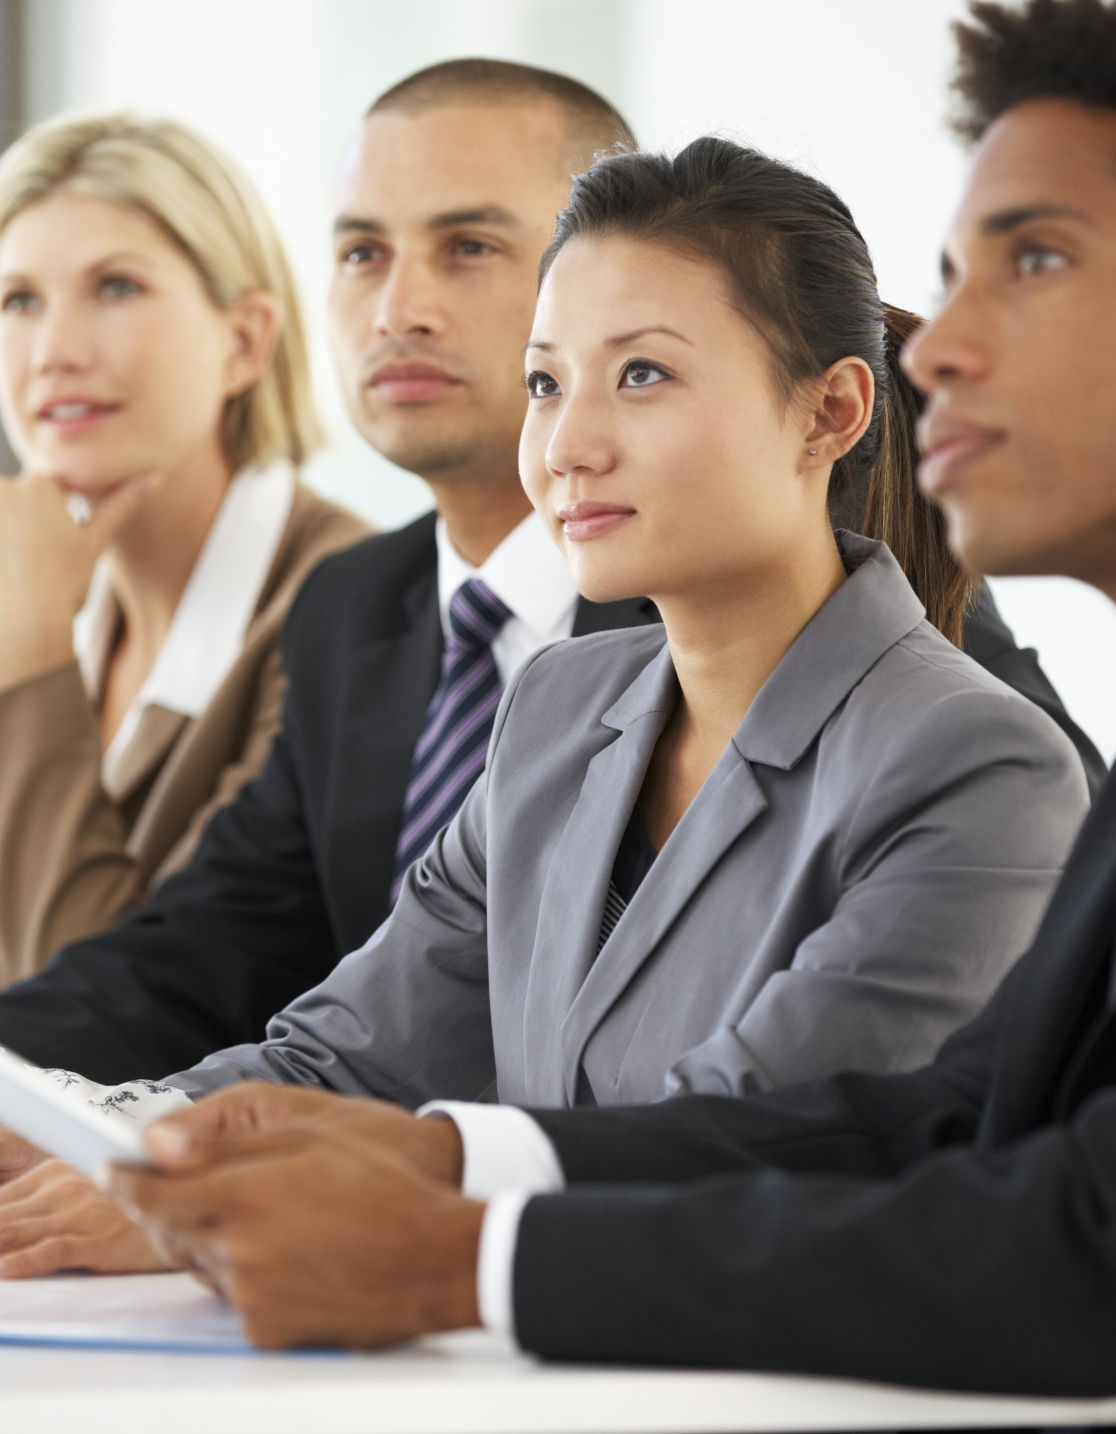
(791, 832)
(788, 833)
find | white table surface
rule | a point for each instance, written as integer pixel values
(469, 1383)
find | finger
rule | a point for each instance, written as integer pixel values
(177, 1148)
(180, 1141)
(184, 1202)
(47, 1255)
(16, 1156)
(19, 1234)
(181, 1148)
(32, 1204)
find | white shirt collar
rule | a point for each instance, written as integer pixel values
(207, 631)
(526, 571)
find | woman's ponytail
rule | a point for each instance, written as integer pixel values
(895, 510)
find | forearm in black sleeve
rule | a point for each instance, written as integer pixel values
(979, 1270)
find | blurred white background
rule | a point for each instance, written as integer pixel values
(854, 92)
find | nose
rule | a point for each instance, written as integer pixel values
(951, 347)
(408, 301)
(61, 342)
(580, 440)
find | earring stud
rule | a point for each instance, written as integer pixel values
(813, 452)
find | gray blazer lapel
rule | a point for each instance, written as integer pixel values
(729, 802)
(573, 897)
(844, 639)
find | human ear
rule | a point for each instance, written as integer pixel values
(841, 411)
(255, 322)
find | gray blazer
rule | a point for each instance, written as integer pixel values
(870, 853)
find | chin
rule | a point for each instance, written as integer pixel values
(603, 586)
(992, 549)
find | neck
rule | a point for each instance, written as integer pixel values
(478, 517)
(727, 640)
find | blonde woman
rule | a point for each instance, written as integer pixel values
(154, 385)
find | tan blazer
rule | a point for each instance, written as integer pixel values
(72, 860)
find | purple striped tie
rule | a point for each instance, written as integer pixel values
(450, 753)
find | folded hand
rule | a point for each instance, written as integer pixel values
(52, 1218)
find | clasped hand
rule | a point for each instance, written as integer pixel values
(324, 1219)
(46, 560)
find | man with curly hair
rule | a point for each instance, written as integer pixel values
(955, 1226)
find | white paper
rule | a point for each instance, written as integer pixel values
(165, 1311)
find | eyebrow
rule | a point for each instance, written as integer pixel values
(621, 339)
(448, 219)
(1006, 221)
(121, 256)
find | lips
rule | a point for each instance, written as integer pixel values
(411, 382)
(69, 415)
(949, 443)
(586, 519)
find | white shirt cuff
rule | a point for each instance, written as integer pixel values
(496, 1261)
(507, 1160)
(504, 1149)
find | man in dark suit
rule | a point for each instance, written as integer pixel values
(446, 198)
(953, 1227)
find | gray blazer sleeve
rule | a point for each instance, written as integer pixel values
(406, 1014)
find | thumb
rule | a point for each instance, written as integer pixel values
(174, 1146)
(185, 1140)
(177, 1148)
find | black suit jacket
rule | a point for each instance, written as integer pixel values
(955, 1227)
(297, 871)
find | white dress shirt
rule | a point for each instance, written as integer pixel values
(529, 575)
(206, 634)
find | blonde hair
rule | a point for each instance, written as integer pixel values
(210, 209)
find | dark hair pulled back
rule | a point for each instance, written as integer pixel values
(799, 271)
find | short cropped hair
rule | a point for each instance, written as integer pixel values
(210, 209)
(1044, 49)
(595, 126)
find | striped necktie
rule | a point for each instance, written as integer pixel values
(451, 750)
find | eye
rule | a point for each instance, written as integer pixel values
(1032, 259)
(641, 374)
(117, 286)
(19, 301)
(541, 385)
(471, 248)
(362, 252)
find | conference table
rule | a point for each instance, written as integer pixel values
(465, 1383)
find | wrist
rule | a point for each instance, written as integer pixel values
(455, 1246)
(444, 1152)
